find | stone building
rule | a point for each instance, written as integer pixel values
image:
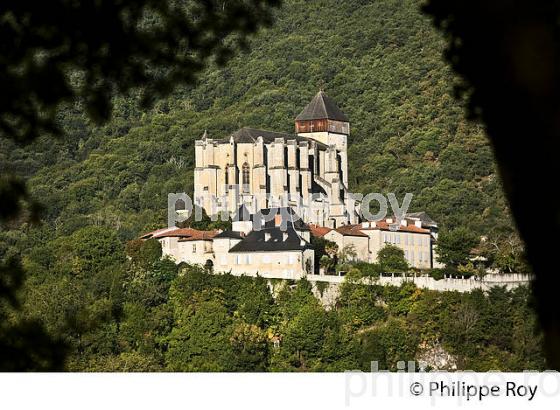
(185, 244)
(261, 169)
(300, 181)
(271, 251)
(415, 235)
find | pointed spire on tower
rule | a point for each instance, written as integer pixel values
(205, 135)
(322, 107)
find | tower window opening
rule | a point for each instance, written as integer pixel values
(245, 177)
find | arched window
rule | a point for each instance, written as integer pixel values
(245, 177)
(227, 175)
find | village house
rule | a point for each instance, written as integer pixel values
(363, 241)
(271, 251)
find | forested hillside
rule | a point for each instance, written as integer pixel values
(380, 60)
(101, 186)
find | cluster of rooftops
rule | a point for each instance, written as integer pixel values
(320, 107)
(295, 235)
(247, 135)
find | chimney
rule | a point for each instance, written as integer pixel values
(267, 236)
(403, 222)
(284, 236)
(389, 220)
(301, 242)
(418, 224)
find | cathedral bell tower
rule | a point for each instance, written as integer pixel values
(321, 120)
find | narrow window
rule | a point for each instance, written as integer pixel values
(245, 177)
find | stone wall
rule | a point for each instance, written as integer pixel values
(510, 281)
(326, 288)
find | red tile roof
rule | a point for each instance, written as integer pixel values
(384, 226)
(356, 230)
(319, 231)
(351, 230)
(158, 232)
(199, 235)
(186, 234)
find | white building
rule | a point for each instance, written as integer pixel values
(415, 236)
(185, 244)
(305, 173)
(271, 251)
(261, 169)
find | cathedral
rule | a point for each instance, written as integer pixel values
(301, 181)
(257, 169)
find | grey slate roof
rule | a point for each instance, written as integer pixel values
(293, 218)
(256, 241)
(423, 217)
(322, 107)
(250, 135)
(242, 214)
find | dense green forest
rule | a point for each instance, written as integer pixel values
(101, 186)
(380, 60)
(148, 314)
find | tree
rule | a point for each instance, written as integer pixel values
(510, 256)
(329, 255)
(304, 335)
(331, 249)
(200, 339)
(323, 250)
(95, 248)
(347, 253)
(291, 299)
(25, 345)
(255, 303)
(454, 246)
(153, 45)
(369, 270)
(156, 45)
(507, 56)
(391, 259)
(143, 253)
(359, 305)
(249, 349)
(387, 345)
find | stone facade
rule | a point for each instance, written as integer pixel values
(368, 238)
(304, 174)
(262, 169)
(270, 252)
(185, 245)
